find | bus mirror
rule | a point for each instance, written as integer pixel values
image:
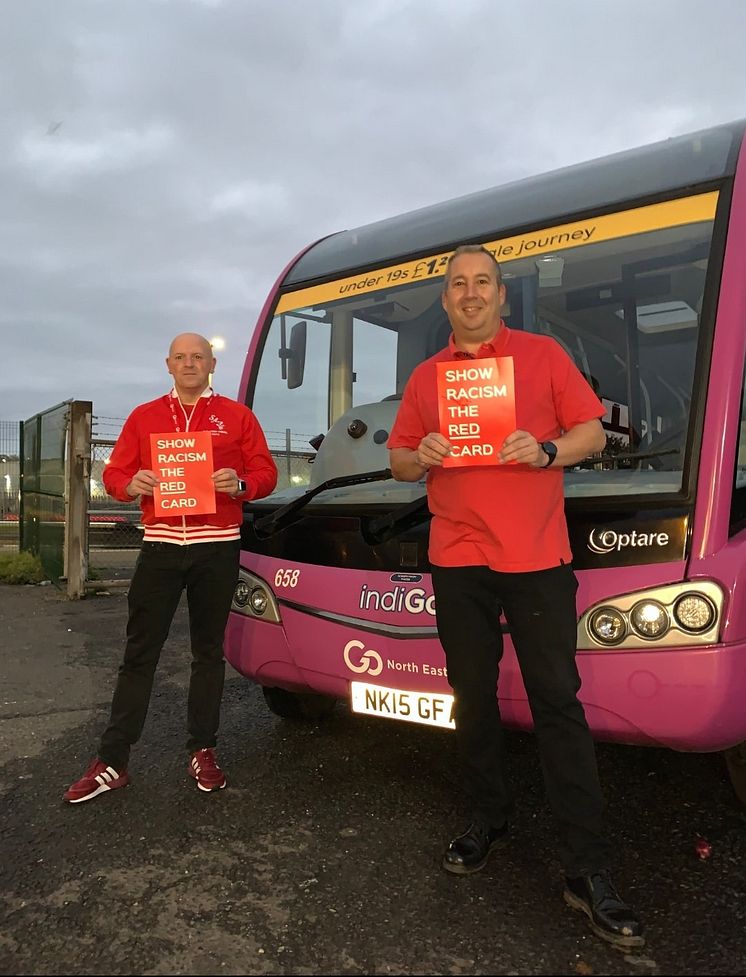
(296, 359)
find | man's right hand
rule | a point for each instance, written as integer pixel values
(142, 483)
(433, 449)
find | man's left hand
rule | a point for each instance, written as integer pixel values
(522, 448)
(226, 480)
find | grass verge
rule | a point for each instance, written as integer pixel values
(20, 568)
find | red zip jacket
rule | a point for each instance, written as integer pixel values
(238, 443)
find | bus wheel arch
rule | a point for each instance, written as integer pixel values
(735, 759)
(304, 706)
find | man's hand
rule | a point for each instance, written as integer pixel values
(522, 448)
(226, 480)
(432, 450)
(142, 483)
(572, 446)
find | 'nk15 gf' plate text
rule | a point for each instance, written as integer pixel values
(427, 708)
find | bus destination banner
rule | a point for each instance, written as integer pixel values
(183, 465)
(577, 234)
(476, 408)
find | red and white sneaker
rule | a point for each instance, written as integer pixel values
(98, 778)
(204, 768)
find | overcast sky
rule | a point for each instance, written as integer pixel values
(162, 160)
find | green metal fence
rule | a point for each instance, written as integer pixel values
(42, 505)
(54, 467)
(10, 473)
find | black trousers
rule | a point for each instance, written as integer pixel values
(540, 610)
(208, 572)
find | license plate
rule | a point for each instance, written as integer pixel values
(427, 708)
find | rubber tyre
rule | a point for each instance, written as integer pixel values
(735, 759)
(303, 706)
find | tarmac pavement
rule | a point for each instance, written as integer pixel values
(323, 854)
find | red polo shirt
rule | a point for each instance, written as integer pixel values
(508, 517)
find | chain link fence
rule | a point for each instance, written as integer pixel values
(293, 455)
(114, 527)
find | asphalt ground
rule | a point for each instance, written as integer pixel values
(323, 854)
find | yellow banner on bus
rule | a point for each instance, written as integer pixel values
(654, 217)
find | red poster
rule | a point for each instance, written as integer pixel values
(476, 409)
(183, 465)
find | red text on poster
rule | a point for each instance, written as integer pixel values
(183, 466)
(476, 409)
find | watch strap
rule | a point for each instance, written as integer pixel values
(550, 450)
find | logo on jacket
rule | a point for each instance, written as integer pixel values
(220, 425)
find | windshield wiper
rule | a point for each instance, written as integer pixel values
(404, 517)
(641, 455)
(287, 514)
(628, 456)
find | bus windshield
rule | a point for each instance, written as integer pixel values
(621, 293)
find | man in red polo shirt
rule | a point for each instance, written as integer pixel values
(498, 540)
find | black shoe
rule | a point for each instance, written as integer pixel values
(610, 917)
(470, 851)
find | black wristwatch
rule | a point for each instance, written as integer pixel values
(242, 487)
(550, 450)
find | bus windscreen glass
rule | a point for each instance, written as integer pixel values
(622, 293)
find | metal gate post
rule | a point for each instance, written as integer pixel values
(78, 471)
(22, 542)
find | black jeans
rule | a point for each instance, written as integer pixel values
(208, 572)
(540, 610)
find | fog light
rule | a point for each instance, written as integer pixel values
(649, 619)
(259, 600)
(607, 626)
(693, 612)
(241, 594)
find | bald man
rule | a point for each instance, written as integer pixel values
(196, 552)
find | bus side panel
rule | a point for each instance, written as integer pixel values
(255, 648)
(720, 432)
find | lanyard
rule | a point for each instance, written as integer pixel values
(173, 401)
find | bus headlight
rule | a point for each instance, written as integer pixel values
(666, 616)
(694, 612)
(253, 597)
(607, 626)
(259, 600)
(649, 619)
(241, 594)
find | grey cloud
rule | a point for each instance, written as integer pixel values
(162, 161)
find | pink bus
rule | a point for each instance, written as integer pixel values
(636, 265)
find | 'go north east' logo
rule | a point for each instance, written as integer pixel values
(604, 541)
(370, 661)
